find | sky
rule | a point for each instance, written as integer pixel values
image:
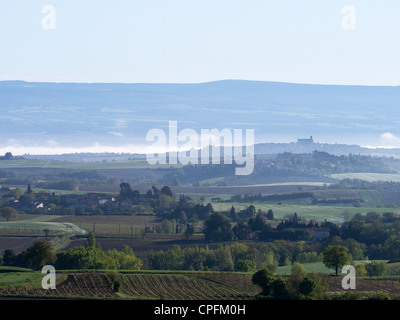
(188, 41)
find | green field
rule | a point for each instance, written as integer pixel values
(319, 213)
(53, 164)
(38, 226)
(60, 192)
(367, 176)
(372, 198)
(18, 277)
(316, 267)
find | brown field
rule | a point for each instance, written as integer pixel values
(74, 285)
(110, 219)
(168, 286)
(122, 226)
(389, 286)
(176, 286)
(18, 244)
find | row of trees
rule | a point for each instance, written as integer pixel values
(218, 227)
(299, 285)
(237, 256)
(233, 257)
(371, 235)
(90, 256)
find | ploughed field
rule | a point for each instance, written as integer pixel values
(169, 286)
(173, 286)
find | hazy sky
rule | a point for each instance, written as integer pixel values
(303, 41)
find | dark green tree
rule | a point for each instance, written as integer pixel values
(270, 215)
(91, 241)
(241, 230)
(307, 288)
(40, 254)
(8, 213)
(279, 288)
(218, 228)
(167, 191)
(125, 190)
(264, 278)
(8, 257)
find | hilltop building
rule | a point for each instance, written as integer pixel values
(306, 142)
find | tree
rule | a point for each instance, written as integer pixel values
(8, 257)
(91, 241)
(279, 287)
(264, 279)
(223, 258)
(270, 286)
(241, 231)
(307, 287)
(218, 228)
(85, 258)
(256, 223)
(125, 190)
(270, 215)
(335, 257)
(298, 272)
(40, 254)
(8, 212)
(297, 276)
(28, 198)
(167, 191)
(8, 156)
(125, 259)
(361, 271)
(245, 265)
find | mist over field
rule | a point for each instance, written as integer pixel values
(97, 117)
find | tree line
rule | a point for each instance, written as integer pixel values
(90, 256)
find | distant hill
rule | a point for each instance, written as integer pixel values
(259, 149)
(335, 149)
(81, 114)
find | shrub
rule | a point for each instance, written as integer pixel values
(245, 265)
(307, 288)
(264, 279)
(376, 268)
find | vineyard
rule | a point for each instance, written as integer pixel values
(174, 286)
(72, 286)
(169, 286)
(385, 285)
(177, 286)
